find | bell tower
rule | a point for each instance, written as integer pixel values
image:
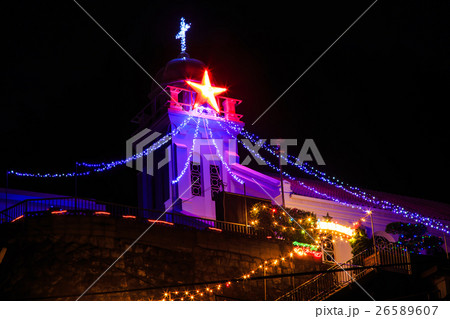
(205, 151)
(202, 150)
(200, 163)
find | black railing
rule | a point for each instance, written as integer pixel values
(326, 284)
(82, 206)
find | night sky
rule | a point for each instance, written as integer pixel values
(375, 103)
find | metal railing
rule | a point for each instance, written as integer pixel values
(82, 206)
(326, 284)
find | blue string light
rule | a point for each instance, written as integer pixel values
(101, 167)
(305, 167)
(291, 160)
(182, 34)
(433, 223)
(188, 160)
(90, 165)
(276, 168)
(236, 178)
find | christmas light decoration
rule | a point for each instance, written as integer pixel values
(90, 165)
(101, 167)
(355, 191)
(153, 221)
(301, 249)
(265, 265)
(102, 213)
(415, 239)
(235, 177)
(206, 92)
(310, 188)
(59, 212)
(304, 251)
(182, 34)
(362, 219)
(312, 247)
(307, 168)
(333, 226)
(188, 160)
(17, 218)
(371, 200)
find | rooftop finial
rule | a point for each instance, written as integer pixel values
(182, 34)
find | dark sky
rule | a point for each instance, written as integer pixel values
(375, 104)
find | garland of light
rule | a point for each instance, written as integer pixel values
(310, 188)
(300, 249)
(84, 164)
(280, 225)
(321, 228)
(188, 160)
(101, 167)
(305, 167)
(339, 184)
(397, 209)
(190, 295)
(235, 177)
(326, 226)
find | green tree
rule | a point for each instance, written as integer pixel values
(414, 237)
(295, 225)
(360, 241)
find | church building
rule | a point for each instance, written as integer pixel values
(199, 173)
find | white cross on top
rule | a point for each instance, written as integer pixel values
(182, 34)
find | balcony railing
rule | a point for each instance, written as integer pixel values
(85, 207)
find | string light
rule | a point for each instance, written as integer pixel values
(276, 168)
(59, 212)
(355, 191)
(304, 166)
(102, 213)
(90, 164)
(101, 167)
(273, 262)
(17, 218)
(188, 160)
(291, 160)
(333, 226)
(235, 177)
(182, 34)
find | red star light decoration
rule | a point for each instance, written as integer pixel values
(206, 92)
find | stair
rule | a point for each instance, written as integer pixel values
(328, 283)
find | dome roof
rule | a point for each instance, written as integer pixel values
(183, 68)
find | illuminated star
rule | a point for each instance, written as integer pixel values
(206, 92)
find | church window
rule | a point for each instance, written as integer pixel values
(196, 179)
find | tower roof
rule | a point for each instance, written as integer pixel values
(182, 68)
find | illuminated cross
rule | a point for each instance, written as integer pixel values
(182, 34)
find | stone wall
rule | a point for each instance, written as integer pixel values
(59, 257)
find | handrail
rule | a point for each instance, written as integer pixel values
(326, 284)
(34, 207)
(3, 212)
